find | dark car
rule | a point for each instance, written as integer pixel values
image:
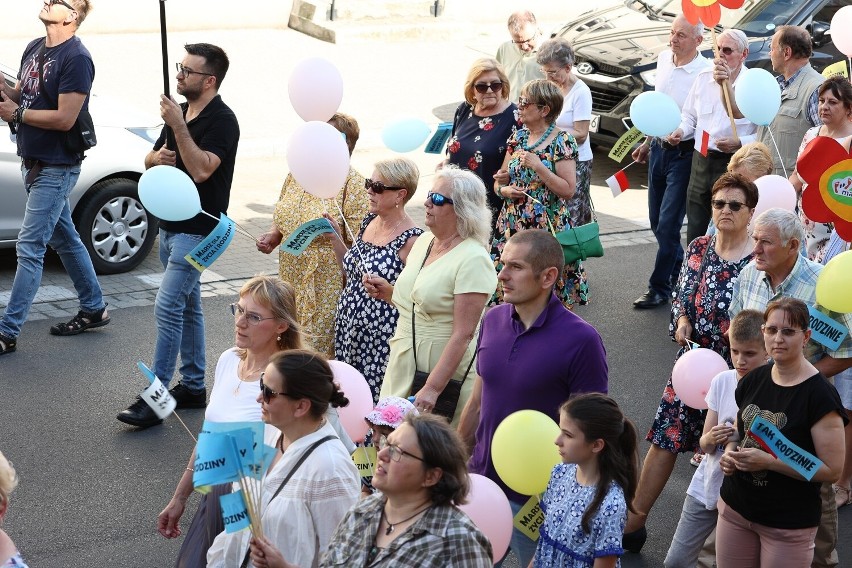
(617, 47)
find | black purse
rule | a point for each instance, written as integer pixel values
(448, 400)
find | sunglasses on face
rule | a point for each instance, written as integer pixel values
(267, 393)
(483, 88)
(524, 102)
(772, 331)
(719, 204)
(438, 199)
(726, 50)
(379, 187)
(62, 3)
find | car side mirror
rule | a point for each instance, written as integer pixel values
(820, 33)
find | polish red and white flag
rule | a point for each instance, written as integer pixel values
(618, 183)
(705, 143)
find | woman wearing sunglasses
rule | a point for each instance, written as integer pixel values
(312, 481)
(315, 274)
(482, 125)
(265, 322)
(536, 181)
(769, 512)
(414, 521)
(835, 111)
(440, 293)
(365, 324)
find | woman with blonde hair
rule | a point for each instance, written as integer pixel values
(9, 555)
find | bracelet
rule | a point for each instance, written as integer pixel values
(190, 469)
(18, 115)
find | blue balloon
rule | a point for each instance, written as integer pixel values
(405, 134)
(655, 113)
(758, 96)
(169, 193)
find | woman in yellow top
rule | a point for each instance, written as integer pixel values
(446, 281)
(316, 274)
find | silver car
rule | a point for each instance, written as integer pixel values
(117, 231)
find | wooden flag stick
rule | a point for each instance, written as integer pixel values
(725, 89)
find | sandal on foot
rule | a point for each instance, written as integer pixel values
(696, 459)
(81, 322)
(7, 344)
(842, 496)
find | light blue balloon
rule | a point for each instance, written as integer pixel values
(405, 134)
(655, 114)
(169, 193)
(758, 96)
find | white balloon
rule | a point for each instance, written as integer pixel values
(841, 30)
(316, 89)
(774, 192)
(318, 158)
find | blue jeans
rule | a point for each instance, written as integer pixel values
(521, 545)
(180, 321)
(668, 178)
(47, 221)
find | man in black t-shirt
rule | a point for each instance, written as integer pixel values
(53, 86)
(205, 134)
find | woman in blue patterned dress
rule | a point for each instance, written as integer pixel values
(536, 181)
(699, 317)
(586, 502)
(364, 325)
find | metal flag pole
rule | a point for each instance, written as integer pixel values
(170, 142)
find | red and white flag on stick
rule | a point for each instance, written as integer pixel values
(705, 143)
(618, 183)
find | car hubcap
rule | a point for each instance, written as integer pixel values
(119, 229)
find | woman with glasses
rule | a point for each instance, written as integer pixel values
(835, 111)
(364, 324)
(556, 57)
(769, 512)
(699, 318)
(536, 181)
(315, 274)
(265, 322)
(440, 293)
(482, 125)
(414, 521)
(312, 481)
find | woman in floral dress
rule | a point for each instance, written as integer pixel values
(537, 179)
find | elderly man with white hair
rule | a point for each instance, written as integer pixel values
(705, 119)
(778, 269)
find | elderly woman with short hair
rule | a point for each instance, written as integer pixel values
(440, 293)
(537, 180)
(556, 57)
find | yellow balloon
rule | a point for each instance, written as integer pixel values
(834, 284)
(523, 451)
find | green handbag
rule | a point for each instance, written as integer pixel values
(580, 243)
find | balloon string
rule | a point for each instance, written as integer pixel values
(239, 227)
(546, 213)
(777, 151)
(351, 236)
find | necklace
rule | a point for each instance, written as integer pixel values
(384, 239)
(247, 374)
(443, 248)
(391, 525)
(528, 147)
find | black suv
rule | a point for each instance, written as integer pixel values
(617, 47)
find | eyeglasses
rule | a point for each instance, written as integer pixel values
(525, 41)
(62, 3)
(524, 102)
(268, 394)
(395, 451)
(438, 199)
(726, 50)
(379, 187)
(483, 88)
(186, 71)
(719, 204)
(251, 317)
(551, 72)
(772, 331)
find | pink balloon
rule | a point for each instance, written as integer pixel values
(693, 373)
(355, 387)
(315, 89)
(488, 508)
(318, 158)
(775, 191)
(840, 24)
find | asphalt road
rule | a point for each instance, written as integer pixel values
(91, 488)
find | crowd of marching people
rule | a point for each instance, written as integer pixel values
(458, 326)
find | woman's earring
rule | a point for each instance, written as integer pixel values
(279, 337)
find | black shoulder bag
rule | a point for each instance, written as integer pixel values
(448, 400)
(81, 137)
(302, 459)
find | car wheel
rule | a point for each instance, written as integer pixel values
(115, 228)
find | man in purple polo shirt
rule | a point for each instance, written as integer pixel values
(533, 354)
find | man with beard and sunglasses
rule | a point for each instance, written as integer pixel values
(200, 137)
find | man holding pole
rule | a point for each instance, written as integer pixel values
(205, 133)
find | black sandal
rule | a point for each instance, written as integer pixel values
(7, 344)
(81, 322)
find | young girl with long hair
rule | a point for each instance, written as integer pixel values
(586, 502)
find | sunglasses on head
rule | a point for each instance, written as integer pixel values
(495, 87)
(726, 50)
(267, 393)
(438, 199)
(379, 187)
(720, 204)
